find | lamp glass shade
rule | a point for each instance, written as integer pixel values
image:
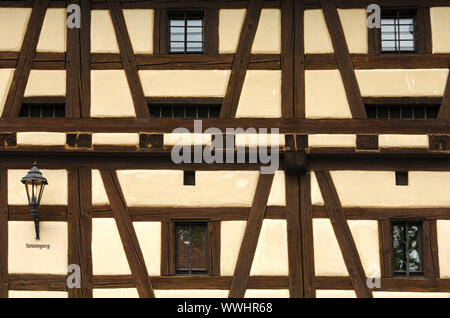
(34, 184)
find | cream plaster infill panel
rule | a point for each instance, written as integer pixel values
(230, 25)
(440, 24)
(271, 255)
(212, 189)
(354, 24)
(99, 196)
(267, 293)
(13, 25)
(140, 28)
(123, 139)
(413, 141)
(261, 95)
(365, 235)
(23, 259)
(115, 293)
(191, 293)
(325, 293)
(46, 83)
(443, 238)
(184, 83)
(149, 236)
(378, 189)
(103, 36)
(328, 257)
(317, 38)
(268, 34)
(259, 139)
(400, 82)
(335, 140)
(6, 76)
(41, 138)
(55, 193)
(325, 95)
(37, 294)
(54, 31)
(231, 235)
(111, 96)
(277, 194)
(187, 139)
(316, 194)
(108, 255)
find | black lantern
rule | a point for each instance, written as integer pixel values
(34, 184)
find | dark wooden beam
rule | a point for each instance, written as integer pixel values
(430, 249)
(444, 111)
(287, 58)
(25, 61)
(127, 233)
(212, 31)
(294, 236)
(251, 236)
(241, 59)
(73, 71)
(307, 236)
(214, 247)
(3, 233)
(343, 58)
(80, 229)
(343, 234)
(385, 242)
(128, 59)
(299, 60)
(424, 30)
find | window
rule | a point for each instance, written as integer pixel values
(184, 110)
(43, 110)
(401, 178)
(402, 111)
(191, 248)
(186, 32)
(399, 31)
(189, 178)
(407, 248)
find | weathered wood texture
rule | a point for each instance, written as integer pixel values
(3, 233)
(24, 63)
(127, 233)
(307, 236)
(80, 229)
(343, 234)
(251, 236)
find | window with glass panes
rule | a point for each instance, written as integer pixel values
(407, 248)
(186, 32)
(43, 110)
(191, 252)
(398, 31)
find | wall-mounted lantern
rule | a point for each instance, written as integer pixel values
(34, 183)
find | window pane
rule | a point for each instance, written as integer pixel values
(177, 23)
(195, 23)
(413, 249)
(398, 242)
(199, 247)
(182, 245)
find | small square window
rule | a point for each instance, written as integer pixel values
(401, 178)
(398, 31)
(186, 32)
(189, 178)
(407, 248)
(191, 252)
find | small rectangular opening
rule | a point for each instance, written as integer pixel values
(402, 111)
(43, 110)
(186, 31)
(177, 110)
(399, 31)
(401, 178)
(189, 178)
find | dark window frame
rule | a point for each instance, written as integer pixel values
(172, 105)
(168, 246)
(186, 15)
(423, 32)
(43, 102)
(405, 108)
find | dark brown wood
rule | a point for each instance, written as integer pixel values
(370, 100)
(80, 229)
(343, 234)
(444, 111)
(73, 72)
(37, 282)
(374, 40)
(380, 61)
(343, 58)
(241, 59)
(44, 99)
(3, 233)
(287, 58)
(127, 233)
(404, 284)
(251, 236)
(46, 213)
(85, 56)
(212, 31)
(24, 63)
(165, 248)
(128, 59)
(430, 249)
(156, 31)
(294, 236)
(424, 44)
(299, 60)
(439, 142)
(307, 236)
(385, 242)
(214, 248)
(367, 142)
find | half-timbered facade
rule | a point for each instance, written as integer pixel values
(359, 205)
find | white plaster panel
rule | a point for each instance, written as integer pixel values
(123, 139)
(103, 36)
(277, 194)
(317, 39)
(230, 25)
(99, 196)
(140, 28)
(268, 34)
(440, 24)
(443, 238)
(13, 25)
(149, 236)
(53, 33)
(231, 235)
(41, 138)
(331, 140)
(400, 141)
(46, 83)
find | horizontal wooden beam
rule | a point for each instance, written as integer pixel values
(167, 125)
